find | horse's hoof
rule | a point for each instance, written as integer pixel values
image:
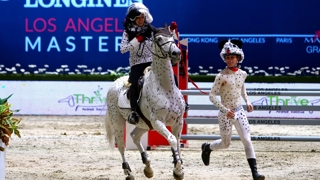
(130, 177)
(178, 176)
(148, 172)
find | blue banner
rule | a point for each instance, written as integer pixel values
(52, 33)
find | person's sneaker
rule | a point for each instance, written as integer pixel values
(205, 155)
(133, 118)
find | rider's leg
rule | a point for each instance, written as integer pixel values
(135, 74)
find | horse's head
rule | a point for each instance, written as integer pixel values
(164, 39)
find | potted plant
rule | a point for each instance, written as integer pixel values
(8, 126)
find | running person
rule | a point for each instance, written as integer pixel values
(230, 84)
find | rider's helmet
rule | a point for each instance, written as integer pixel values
(135, 10)
(231, 47)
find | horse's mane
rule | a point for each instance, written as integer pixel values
(163, 31)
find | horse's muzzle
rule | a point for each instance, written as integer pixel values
(175, 55)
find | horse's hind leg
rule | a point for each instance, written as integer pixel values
(119, 123)
(161, 128)
(136, 135)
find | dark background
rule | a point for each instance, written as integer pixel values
(262, 24)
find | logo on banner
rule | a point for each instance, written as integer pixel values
(281, 101)
(78, 3)
(84, 102)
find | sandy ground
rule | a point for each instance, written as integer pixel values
(74, 147)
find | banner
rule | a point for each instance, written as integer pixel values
(88, 98)
(270, 96)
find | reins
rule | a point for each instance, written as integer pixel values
(183, 65)
(163, 53)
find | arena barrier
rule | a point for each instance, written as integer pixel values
(258, 121)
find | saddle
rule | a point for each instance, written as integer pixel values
(140, 86)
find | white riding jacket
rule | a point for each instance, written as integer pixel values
(139, 52)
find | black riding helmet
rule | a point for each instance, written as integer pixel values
(133, 13)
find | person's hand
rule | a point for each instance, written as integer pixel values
(230, 114)
(140, 38)
(249, 107)
(173, 26)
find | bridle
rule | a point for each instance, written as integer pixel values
(159, 46)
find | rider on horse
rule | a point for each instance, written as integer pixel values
(137, 38)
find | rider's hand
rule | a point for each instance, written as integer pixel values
(230, 114)
(140, 38)
(173, 26)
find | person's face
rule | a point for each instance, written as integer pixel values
(140, 20)
(232, 60)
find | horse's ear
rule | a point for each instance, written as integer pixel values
(153, 29)
(165, 25)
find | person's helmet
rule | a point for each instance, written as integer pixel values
(231, 47)
(136, 9)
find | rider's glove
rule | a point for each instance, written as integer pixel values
(140, 38)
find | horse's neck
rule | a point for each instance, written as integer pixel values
(163, 72)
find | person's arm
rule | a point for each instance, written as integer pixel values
(127, 45)
(214, 92)
(245, 96)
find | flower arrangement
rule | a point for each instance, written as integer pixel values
(8, 124)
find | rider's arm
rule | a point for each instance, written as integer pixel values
(214, 92)
(127, 45)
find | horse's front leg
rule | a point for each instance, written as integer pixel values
(136, 135)
(161, 128)
(176, 131)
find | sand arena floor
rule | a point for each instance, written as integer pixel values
(75, 148)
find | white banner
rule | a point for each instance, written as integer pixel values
(88, 98)
(56, 97)
(271, 100)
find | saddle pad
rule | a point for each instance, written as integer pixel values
(123, 101)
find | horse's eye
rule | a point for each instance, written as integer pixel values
(159, 39)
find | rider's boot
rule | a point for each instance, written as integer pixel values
(133, 118)
(253, 166)
(205, 155)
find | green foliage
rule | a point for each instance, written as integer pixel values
(8, 124)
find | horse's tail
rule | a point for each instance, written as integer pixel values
(109, 133)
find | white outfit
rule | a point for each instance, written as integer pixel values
(231, 87)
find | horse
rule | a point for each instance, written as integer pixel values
(160, 102)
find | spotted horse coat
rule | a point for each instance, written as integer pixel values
(161, 102)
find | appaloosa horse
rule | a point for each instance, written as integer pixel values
(161, 102)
